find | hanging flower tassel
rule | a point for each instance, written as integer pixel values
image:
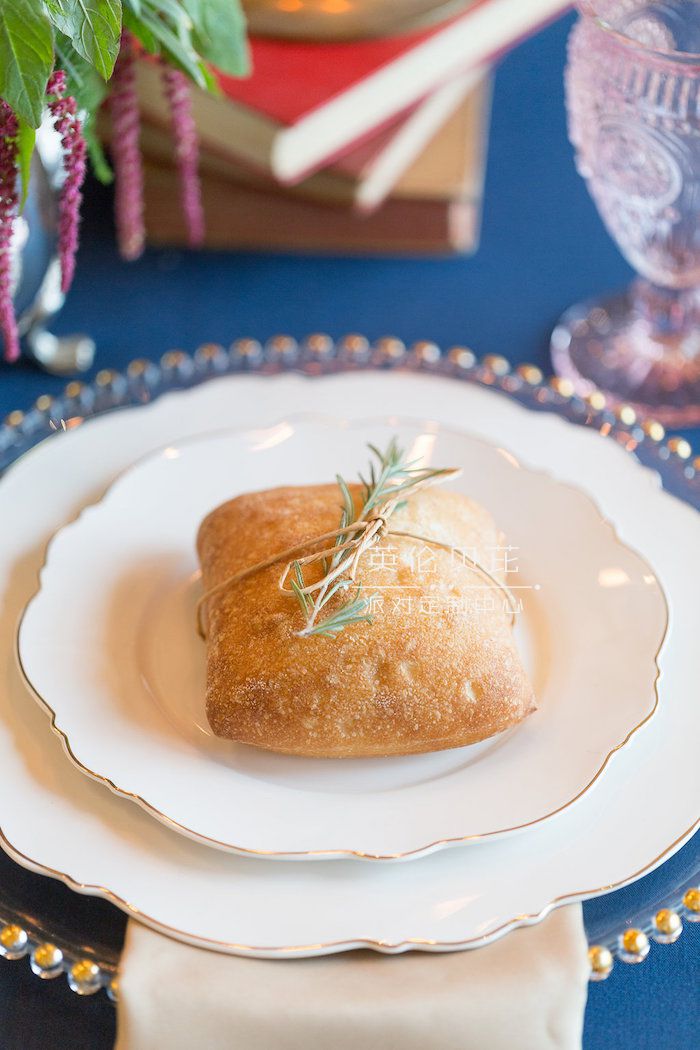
(126, 154)
(63, 110)
(8, 209)
(186, 151)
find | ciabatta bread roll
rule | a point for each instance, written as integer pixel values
(436, 668)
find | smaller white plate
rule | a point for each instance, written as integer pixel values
(109, 647)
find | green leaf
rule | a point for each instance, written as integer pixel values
(143, 35)
(178, 49)
(84, 83)
(93, 27)
(138, 19)
(175, 10)
(211, 84)
(191, 33)
(26, 57)
(25, 149)
(220, 34)
(171, 13)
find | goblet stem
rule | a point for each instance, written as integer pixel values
(668, 312)
(642, 347)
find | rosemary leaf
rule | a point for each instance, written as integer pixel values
(354, 611)
(348, 502)
(297, 587)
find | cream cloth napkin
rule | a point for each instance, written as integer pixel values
(526, 991)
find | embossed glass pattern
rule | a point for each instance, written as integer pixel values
(633, 97)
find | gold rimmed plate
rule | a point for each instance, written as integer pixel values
(122, 673)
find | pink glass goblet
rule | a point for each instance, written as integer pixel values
(633, 100)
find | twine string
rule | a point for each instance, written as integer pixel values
(358, 537)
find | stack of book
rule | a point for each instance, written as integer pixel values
(365, 146)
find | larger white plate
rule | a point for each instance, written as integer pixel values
(123, 675)
(56, 821)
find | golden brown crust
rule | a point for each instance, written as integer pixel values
(430, 672)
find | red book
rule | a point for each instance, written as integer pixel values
(326, 97)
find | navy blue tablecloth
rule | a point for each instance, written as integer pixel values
(543, 247)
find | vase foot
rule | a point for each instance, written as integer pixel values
(63, 355)
(611, 345)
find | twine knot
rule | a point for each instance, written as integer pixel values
(382, 525)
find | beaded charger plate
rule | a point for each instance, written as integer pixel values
(54, 790)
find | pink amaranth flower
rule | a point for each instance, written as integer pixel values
(63, 110)
(126, 154)
(8, 209)
(186, 151)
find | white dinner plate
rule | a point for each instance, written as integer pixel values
(123, 675)
(56, 821)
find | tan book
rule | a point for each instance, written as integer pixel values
(363, 177)
(454, 161)
(451, 165)
(249, 218)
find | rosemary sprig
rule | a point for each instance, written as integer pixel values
(389, 477)
(393, 477)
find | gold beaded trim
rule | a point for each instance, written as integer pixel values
(492, 369)
(634, 944)
(86, 976)
(48, 960)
